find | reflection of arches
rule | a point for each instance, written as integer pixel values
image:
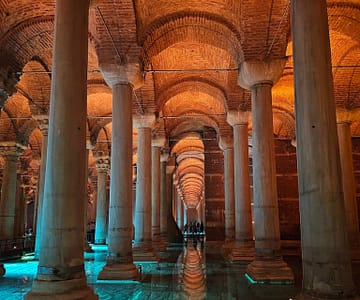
(193, 26)
(192, 273)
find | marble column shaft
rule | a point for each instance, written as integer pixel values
(8, 194)
(143, 187)
(325, 249)
(120, 207)
(163, 198)
(259, 77)
(243, 227)
(266, 215)
(155, 192)
(61, 261)
(229, 189)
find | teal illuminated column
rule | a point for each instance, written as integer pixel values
(268, 265)
(326, 261)
(10, 151)
(226, 144)
(61, 271)
(102, 168)
(123, 79)
(43, 122)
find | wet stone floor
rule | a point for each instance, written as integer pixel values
(184, 272)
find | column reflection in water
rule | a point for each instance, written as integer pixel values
(191, 270)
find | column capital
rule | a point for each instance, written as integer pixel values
(235, 117)
(255, 72)
(89, 145)
(43, 123)
(122, 74)
(164, 157)
(102, 164)
(226, 142)
(158, 141)
(144, 121)
(11, 149)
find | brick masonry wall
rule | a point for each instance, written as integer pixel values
(288, 193)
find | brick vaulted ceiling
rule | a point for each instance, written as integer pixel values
(189, 50)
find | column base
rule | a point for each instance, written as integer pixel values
(100, 242)
(274, 271)
(75, 289)
(144, 252)
(245, 255)
(126, 271)
(239, 252)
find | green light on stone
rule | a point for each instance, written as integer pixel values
(270, 282)
(251, 281)
(27, 257)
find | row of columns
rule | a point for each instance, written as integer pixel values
(326, 266)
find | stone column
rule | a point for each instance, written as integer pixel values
(226, 144)
(157, 143)
(348, 184)
(163, 199)
(43, 122)
(102, 168)
(173, 232)
(119, 261)
(87, 247)
(61, 272)
(243, 249)
(327, 270)
(143, 209)
(10, 151)
(268, 265)
(19, 224)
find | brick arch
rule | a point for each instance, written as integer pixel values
(27, 39)
(283, 122)
(23, 133)
(346, 80)
(344, 18)
(200, 27)
(35, 84)
(192, 84)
